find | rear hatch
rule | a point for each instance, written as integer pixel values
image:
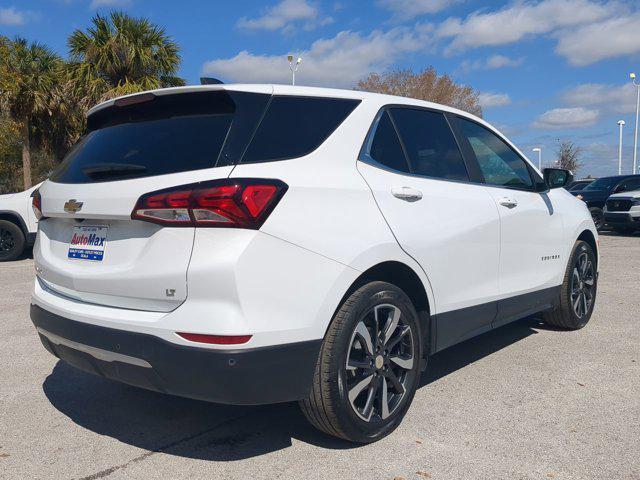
(89, 248)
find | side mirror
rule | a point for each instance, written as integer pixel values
(556, 177)
(620, 188)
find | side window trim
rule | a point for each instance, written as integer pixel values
(366, 146)
(470, 160)
(368, 142)
(404, 149)
(534, 178)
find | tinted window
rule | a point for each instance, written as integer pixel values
(499, 163)
(295, 126)
(385, 147)
(628, 185)
(602, 184)
(430, 144)
(167, 134)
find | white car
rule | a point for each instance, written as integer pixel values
(18, 224)
(252, 244)
(622, 211)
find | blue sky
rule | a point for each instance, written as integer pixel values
(547, 69)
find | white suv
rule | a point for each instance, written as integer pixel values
(252, 244)
(18, 224)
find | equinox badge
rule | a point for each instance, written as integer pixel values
(72, 206)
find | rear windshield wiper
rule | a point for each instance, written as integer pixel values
(106, 170)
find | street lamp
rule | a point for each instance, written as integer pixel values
(621, 124)
(539, 150)
(635, 142)
(293, 67)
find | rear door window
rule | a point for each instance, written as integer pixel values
(430, 144)
(295, 126)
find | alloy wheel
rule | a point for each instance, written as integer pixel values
(7, 242)
(582, 285)
(380, 361)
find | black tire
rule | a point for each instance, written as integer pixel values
(329, 407)
(12, 241)
(575, 288)
(598, 217)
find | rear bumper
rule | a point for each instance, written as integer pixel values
(622, 219)
(252, 376)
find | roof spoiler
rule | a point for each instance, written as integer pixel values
(210, 81)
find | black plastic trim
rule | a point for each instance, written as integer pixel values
(251, 376)
(459, 325)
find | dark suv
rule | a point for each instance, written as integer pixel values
(596, 193)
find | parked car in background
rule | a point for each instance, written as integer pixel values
(596, 193)
(579, 184)
(622, 212)
(18, 224)
(252, 244)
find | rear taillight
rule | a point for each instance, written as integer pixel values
(232, 203)
(36, 204)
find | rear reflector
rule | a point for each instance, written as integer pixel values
(215, 339)
(231, 203)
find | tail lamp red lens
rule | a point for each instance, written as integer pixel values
(232, 203)
(216, 339)
(36, 204)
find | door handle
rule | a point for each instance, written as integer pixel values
(406, 193)
(508, 202)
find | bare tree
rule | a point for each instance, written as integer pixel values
(569, 155)
(425, 85)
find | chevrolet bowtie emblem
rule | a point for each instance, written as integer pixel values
(72, 206)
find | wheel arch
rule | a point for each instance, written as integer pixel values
(588, 236)
(15, 218)
(408, 280)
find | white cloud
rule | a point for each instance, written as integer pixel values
(13, 17)
(337, 62)
(488, 100)
(284, 15)
(612, 98)
(493, 62)
(500, 61)
(563, 118)
(521, 19)
(109, 3)
(406, 9)
(591, 43)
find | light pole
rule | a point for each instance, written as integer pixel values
(293, 67)
(635, 142)
(539, 150)
(621, 124)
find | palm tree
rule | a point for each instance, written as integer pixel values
(28, 73)
(122, 54)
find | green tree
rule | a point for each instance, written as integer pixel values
(120, 54)
(28, 73)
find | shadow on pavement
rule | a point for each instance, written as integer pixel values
(195, 429)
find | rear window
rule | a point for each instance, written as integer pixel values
(167, 134)
(193, 131)
(295, 126)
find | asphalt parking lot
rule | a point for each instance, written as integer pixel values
(522, 402)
